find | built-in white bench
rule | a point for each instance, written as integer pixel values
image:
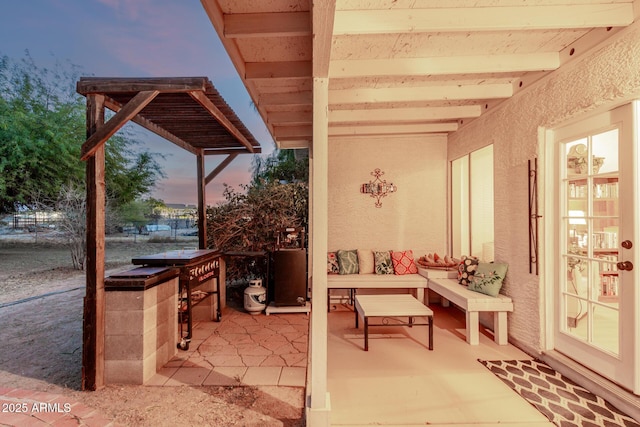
(473, 303)
(379, 281)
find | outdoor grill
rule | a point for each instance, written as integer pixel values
(198, 268)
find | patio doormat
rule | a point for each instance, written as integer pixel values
(562, 401)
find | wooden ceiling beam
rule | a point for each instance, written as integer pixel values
(294, 143)
(290, 117)
(278, 24)
(292, 131)
(467, 19)
(420, 93)
(391, 129)
(445, 65)
(202, 99)
(216, 16)
(278, 70)
(287, 98)
(126, 113)
(415, 115)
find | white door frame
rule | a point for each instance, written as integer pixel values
(550, 227)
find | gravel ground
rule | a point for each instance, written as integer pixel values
(41, 335)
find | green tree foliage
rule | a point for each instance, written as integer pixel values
(281, 166)
(247, 221)
(42, 127)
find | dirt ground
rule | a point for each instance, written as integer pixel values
(41, 336)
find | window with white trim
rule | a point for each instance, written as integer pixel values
(472, 204)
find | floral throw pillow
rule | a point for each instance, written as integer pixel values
(332, 263)
(382, 262)
(347, 261)
(403, 262)
(466, 269)
(488, 278)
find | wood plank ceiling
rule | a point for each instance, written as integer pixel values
(401, 66)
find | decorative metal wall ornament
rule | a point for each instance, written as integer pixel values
(378, 188)
(534, 216)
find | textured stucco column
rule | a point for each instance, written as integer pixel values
(318, 405)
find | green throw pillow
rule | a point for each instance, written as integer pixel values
(348, 261)
(488, 278)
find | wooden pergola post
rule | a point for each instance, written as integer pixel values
(94, 310)
(202, 202)
(219, 132)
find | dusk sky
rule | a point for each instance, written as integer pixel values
(139, 38)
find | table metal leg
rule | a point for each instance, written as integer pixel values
(430, 318)
(366, 333)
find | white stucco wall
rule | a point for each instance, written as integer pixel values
(414, 217)
(604, 78)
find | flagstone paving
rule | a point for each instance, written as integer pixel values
(242, 349)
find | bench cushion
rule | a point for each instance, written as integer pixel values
(380, 281)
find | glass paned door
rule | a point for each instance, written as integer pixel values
(595, 296)
(591, 222)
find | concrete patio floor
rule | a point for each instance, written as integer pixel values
(397, 382)
(400, 382)
(242, 349)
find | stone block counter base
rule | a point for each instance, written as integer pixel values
(141, 323)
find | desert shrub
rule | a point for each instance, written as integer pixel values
(248, 221)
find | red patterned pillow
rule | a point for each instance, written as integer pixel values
(403, 262)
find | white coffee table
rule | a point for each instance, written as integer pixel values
(396, 306)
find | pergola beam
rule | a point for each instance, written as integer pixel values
(220, 168)
(139, 120)
(88, 85)
(221, 118)
(224, 151)
(126, 113)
